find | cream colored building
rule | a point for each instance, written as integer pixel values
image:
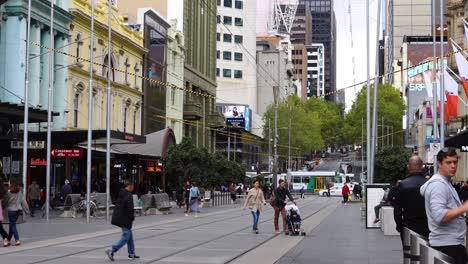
(126, 59)
(175, 76)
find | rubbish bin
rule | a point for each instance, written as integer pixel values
(416, 241)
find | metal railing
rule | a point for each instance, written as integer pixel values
(416, 250)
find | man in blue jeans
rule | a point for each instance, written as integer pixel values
(123, 217)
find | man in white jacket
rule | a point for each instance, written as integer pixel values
(445, 213)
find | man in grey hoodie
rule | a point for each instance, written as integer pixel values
(445, 212)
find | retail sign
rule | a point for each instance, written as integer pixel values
(15, 144)
(38, 162)
(464, 148)
(66, 153)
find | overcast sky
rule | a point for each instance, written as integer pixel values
(344, 68)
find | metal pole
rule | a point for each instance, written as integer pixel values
(269, 145)
(382, 132)
(235, 146)
(442, 83)
(368, 95)
(434, 85)
(229, 145)
(275, 139)
(26, 105)
(90, 114)
(376, 92)
(393, 135)
(49, 106)
(388, 135)
(109, 112)
(289, 139)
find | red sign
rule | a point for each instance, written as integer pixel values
(38, 162)
(66, 153)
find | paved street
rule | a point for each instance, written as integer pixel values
(219, 235)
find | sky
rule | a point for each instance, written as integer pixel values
(344, 68)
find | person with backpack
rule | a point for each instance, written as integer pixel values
(123, 217)
(255, 202)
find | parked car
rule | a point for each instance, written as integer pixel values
(334, 191)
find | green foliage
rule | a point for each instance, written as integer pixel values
(185, 161)
(390, 106)
(390, 164)
(305, 127)
(330, 117)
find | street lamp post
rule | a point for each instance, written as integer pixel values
(275, 139)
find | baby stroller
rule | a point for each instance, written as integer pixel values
(294, 221)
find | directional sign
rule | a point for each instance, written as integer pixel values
(67, 153)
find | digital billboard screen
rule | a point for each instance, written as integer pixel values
(236, 116)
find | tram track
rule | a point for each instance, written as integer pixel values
(140, 239)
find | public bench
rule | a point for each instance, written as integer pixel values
(163, 203)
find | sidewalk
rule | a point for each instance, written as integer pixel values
(342, 238)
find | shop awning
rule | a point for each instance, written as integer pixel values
(15, 113)
(156, 144)
(457, 141)
(80, 137)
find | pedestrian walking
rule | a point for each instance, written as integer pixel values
(193, 198)
(445, 212)
(302, 192)
(123, 217)
(255, 202)
(279, 202)
(3, 202)
(232, 191)
(345, 193)
(34, 196)
(409, 210)
(65, 191)
(16, 206)
(187, 198)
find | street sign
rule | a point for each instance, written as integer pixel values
(15, 144)
(67, 153)
(464, 148)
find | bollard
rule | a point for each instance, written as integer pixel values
(406, 245)
(416, 241)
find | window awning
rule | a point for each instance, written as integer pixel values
(156, 144)
(457, 141)
(15, 113)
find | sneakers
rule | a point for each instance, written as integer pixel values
(6, 243)
(376, 221)
(133, 257)
(277, 232)
(110, 254)
(256, 231)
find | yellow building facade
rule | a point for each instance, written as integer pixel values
(127, 64)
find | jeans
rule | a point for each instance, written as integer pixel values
(281, 210)
(256, 216)
(127, 238)
(457, 252)
(34, 203)
(377, 210)
(345, 198)
(13, 231)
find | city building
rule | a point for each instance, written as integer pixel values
(13, 39)
(324, 32)
(175, 76)
(301, 35)
(316, 58)
(405, 18)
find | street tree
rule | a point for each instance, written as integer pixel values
(390, 107)
(305, 127)
(390, 164)
(331, 119)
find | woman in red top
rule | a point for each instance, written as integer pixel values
(345, 193)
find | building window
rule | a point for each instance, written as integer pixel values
(217, 72)
(134, 120)
(218, 54)
(239, 4)
(76, 105)
(227, 20)
(218, 2)
(238, 56)
(227, 38)
(227, 55)
(125, 119)
(237, 74)
(173, 95)
(218, 36)
(238, 22)
(218, 19)
(136, 75)
(79, 43)
(105, 71)
(238, 39)
(228, 3)
(227, 73)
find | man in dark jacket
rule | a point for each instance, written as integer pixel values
(123, 217)
(279, 203)
(409, 209)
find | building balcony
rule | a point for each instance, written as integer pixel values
(215, 119)
(192, 110)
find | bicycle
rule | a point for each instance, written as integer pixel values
(80, 208)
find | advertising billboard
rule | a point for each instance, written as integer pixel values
(236, 116)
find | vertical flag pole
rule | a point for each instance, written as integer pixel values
(442, 83)
(109, 114)
(368, 95)
(434, 85)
